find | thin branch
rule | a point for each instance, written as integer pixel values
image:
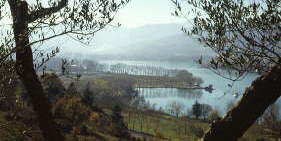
(43, 12)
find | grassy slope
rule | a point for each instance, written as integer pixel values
(170, 127)
(173, 128)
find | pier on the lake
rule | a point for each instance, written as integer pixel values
(168, 84)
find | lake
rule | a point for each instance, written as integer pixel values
(219, 99)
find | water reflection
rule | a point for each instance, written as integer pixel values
(170, 92)
(218, 99)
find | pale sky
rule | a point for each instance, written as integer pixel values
(141, 12)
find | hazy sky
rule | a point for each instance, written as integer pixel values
(141, 12)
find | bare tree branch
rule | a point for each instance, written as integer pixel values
(43, 12)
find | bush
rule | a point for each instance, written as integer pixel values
(71, 109)
(99, 122)
(214, 115)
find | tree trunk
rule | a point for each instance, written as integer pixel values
(263, 92)
(27, 74)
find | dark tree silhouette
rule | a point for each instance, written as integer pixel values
(31, 25)
(119, 128)
(72, 91)
(246, 38)
(196, 109)
(53, 86)
(88, 96)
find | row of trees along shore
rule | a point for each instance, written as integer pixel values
(91, 66)
(143, 75)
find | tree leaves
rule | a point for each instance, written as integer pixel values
(244, 35)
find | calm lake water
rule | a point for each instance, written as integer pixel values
(219, 99)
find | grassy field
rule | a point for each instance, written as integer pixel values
(180, 129)
(156, 126)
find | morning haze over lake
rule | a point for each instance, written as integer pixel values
(138, 70)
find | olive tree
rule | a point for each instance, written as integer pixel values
(36, 21)
(245, 35)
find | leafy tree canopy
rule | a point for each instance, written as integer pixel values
(244, 34)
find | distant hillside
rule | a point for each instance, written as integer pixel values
(150, 42)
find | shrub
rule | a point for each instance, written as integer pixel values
(214, 115)
(72, 109)
(99, 122)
